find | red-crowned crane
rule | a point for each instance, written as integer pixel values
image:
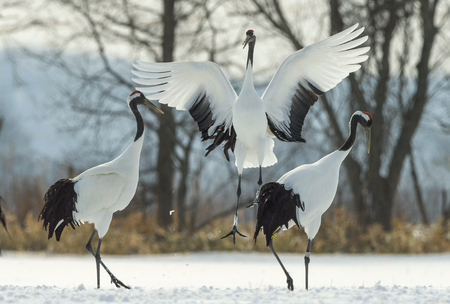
(303, 194)
(94, 195)
(247, 123)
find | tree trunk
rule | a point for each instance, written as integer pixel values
(417, 190)
(411, 117)
(183, 184)
(380, 189)
(166, 132)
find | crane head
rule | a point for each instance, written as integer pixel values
(250, 37)
(139, 98)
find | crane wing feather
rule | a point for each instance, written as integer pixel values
(98, 192)
(307, 74)
(200, 87)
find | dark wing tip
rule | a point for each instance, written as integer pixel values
(301, 102)
(315, 90)
(202, 115)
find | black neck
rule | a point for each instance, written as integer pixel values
(351, 138)
(139, 120)
(251, 48)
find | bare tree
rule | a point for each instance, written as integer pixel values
(394, 85)
(96, 79)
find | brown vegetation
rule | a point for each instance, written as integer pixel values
(138, 234)
(135, 232)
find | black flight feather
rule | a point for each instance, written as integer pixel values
(202, 114)
(302, 100)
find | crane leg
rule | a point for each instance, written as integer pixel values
(260, 179)
(289, 280)
(234, 230)
(255, 201)
(99, 262)
(307, 255)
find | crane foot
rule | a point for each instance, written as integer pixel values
(290, 283)
(233, 233)
(118, 283)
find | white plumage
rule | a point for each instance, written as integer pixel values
(94, 195)
(247, 123)
(303, 194)
(107, 188)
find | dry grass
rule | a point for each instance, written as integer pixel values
(137, 234)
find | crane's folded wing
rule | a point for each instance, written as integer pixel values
(98, 192)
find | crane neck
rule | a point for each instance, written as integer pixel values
(139, 120)
(352, 136)
(248, 80)
(251, 49)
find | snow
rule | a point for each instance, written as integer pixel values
(225, 277)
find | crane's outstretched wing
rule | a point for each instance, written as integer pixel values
(201, 88)
(307, 74)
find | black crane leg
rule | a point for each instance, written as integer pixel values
(234, 230)
(255, 201)
(307, 259)
(289, 280)
(260, 179)
(88, 245)
(99, 262)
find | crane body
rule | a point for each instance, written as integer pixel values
(247, 123)
(302, 195)
(94, 195)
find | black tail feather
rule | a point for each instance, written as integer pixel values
(276, 207)
(60, 203)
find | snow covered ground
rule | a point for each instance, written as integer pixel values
(226, 277)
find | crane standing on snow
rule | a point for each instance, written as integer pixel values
(303, 194)
(247, 123)
(94, 195)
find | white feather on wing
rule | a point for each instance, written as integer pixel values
(323, 65)
(181, 84)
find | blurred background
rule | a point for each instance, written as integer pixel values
(65, 76)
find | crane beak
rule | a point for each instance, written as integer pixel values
(368, 138)
(246, 41)
(151, 105)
